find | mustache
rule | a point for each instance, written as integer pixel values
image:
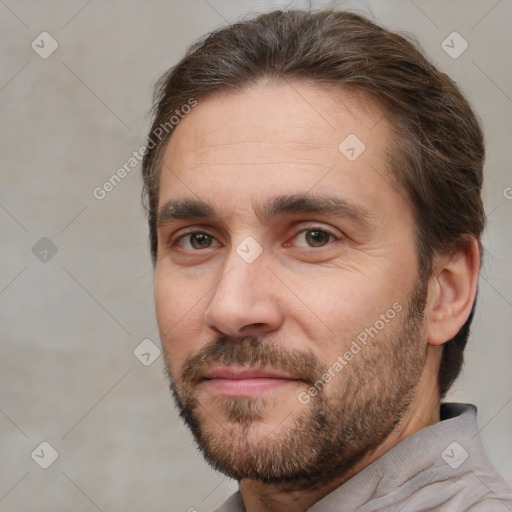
(254, 352)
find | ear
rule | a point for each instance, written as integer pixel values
(452, 291)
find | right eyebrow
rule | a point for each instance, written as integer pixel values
(183, 209)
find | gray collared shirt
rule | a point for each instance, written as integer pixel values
(442, 467)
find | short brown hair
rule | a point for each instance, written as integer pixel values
(437, 148)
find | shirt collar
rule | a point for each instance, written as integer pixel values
(414, 454)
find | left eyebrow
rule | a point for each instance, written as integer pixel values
(279, 206)
(275, 207)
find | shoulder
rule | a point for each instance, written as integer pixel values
(487, 491)
(475, 489)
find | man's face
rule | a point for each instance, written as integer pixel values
(293, 336)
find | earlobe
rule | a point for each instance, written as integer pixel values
(452, 292)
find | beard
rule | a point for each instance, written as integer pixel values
(343, 421)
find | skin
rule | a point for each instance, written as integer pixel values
(235, 151)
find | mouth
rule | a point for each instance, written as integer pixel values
(246, 382)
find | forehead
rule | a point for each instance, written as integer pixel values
(301, 114)
(277, 139)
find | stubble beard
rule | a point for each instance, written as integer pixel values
(325, 438)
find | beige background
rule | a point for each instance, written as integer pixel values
(69, 325)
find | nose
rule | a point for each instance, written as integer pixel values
(244, 299)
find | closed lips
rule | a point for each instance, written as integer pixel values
(246, 373)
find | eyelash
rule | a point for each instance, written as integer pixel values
(173, 242)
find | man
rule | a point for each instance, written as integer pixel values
(315, 214)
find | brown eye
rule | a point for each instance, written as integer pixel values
(200, 240)
(317, 238)
(314, 237)
(197, 240)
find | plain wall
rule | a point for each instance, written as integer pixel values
(69, 325)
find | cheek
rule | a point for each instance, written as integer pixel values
(173, 298)
(179, 319)
(167, 308)
(344, 306)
